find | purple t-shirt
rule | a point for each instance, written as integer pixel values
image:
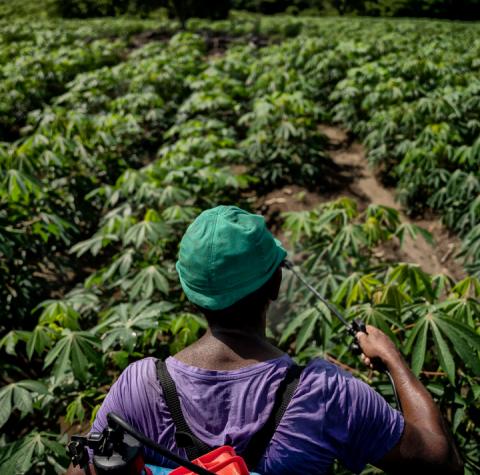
(332, 415)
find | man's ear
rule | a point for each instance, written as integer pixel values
(276, 282)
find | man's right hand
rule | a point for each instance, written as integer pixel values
(376, 346)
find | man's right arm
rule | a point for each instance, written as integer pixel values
(425, 446)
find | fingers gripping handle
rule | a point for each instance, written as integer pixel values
(356, 326)
(359, 326)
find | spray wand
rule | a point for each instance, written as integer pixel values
(352, 328)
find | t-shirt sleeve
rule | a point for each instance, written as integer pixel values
(130, 396)
(137, 398)
(114, 401)
(360, 423)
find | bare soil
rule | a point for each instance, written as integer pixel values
(362, 185)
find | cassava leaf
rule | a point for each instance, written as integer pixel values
(419, 347)
(443, 352)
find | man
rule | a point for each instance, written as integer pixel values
(230, 268)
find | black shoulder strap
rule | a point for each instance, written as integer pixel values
(258, 444)
(194, 447)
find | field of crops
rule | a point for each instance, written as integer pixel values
(117, 133)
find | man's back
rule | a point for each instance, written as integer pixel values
(331, 415)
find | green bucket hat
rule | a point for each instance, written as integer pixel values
(226, 254)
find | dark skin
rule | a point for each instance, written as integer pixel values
(425, 446)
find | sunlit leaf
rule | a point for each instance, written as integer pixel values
(443, 352)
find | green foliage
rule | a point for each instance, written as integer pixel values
(19, 395)
(418, 116)
(39, 451)
(184, 9)
(76, 145)
(460, 9)
(39, 73)
(463, 9)
(283, 141)
(27, 8)
(99, 8)
(269, 7)
(117, 146)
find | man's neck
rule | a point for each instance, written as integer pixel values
(227, 349)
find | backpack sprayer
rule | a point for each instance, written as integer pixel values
(118, 451)
(352, 328)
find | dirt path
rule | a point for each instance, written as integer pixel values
(365, 189)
